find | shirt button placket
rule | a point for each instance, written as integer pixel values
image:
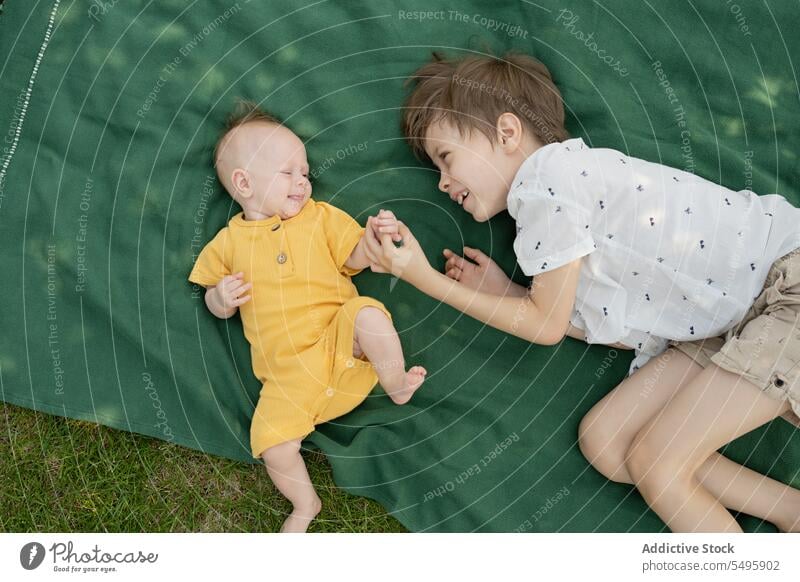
(281, 258)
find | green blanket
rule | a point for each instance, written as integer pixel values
(109, 111)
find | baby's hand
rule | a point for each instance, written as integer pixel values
(228, 292)
(386, 223)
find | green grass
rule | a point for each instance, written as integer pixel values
(59, 474)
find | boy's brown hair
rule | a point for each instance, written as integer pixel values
(472, 92)
(245, 111)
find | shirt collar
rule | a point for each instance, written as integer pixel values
(527, 167)
(305, 211)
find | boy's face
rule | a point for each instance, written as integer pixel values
(473, 172)
(268, 169)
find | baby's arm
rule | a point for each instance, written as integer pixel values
(358, 258)
(384, 223)
(224, 298)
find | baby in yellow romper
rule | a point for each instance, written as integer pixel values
(285, 264)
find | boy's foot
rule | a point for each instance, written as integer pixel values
(412, 380)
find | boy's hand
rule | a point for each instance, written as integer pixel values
(386, 223)
(482, 275)
(227, 295)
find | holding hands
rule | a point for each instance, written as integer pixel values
(392, 248)
(386, 223)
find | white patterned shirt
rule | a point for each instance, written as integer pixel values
(667, 255)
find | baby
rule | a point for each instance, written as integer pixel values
(285, 263)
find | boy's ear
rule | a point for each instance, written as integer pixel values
(509, 132)
(241, 183)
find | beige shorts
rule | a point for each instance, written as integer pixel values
(764, 347)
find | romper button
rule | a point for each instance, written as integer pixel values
(349, 363)
(276, 227)
(329, 391)
(281, 258)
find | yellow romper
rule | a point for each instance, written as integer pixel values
(300, 320)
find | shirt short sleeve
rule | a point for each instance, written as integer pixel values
(551, 231)
(342, 233)
(213, 262)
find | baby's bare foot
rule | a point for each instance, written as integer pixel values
(412, 380)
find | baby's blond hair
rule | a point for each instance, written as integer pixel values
(246, 111)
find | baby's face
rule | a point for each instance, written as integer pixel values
(472, 171)
(268, 170)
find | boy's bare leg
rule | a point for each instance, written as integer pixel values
(743, 489)
(607, 431)
(376, 338)
(288, 472)
(714, 408)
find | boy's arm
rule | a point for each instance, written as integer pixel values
(517, 290)
(540, 316)
(386, 222)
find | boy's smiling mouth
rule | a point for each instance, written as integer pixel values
(461, 196)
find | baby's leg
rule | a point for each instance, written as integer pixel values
(608, 430)
(288, 472)
(376, 336)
